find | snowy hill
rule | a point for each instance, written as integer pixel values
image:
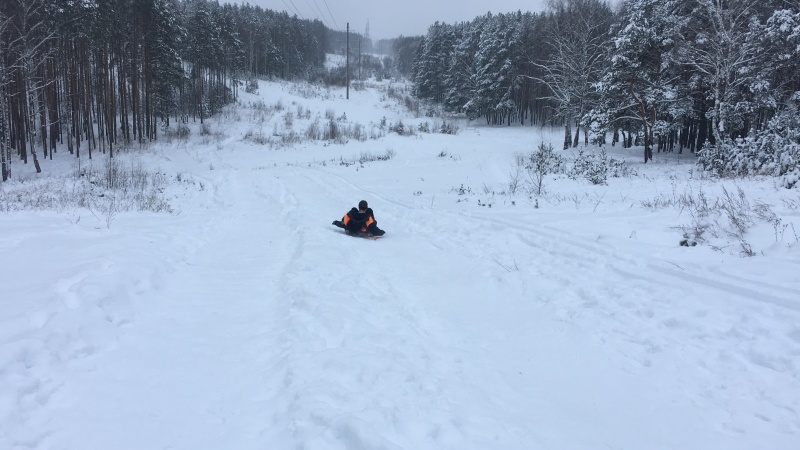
(488, 317)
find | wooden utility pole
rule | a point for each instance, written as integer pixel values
(347, 58)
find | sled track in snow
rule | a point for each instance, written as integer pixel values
(646, 311)
(577, 248)
(311, 347)
(743, 288)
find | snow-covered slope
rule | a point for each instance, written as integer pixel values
(482, 320)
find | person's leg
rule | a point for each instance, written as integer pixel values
(374, 230)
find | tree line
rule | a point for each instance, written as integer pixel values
(717, 77)
(97, 74)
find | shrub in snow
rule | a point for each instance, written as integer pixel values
(252, 86)
(371, 157)
(620, 169)
(412, 105)
(314, 130)
(257, 137)
(303, 113)
(790, 179)
(597, 167)
(110, 189)
(366, 157)
(376, 132)
(358, 132)
(461, 190)
(775, 151)
(398, 128)
(448, 128)
(290, 138)
(334, 76)
(402, 95)
(181, 132)
(331, 132)
(545, 160)
(591, 166)
(537, 165)
(728, 217)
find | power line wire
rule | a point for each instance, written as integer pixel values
(329, 12)
(297, 9)
(327, 24)
(289, 8)
(314, 13)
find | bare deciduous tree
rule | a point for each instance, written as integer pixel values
(725, 52)
(578, 36)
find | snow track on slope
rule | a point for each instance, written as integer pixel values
(665, 322)
(362, 364)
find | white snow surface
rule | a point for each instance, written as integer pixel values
(245, 320)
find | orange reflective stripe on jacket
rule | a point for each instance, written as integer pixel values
(370, 220)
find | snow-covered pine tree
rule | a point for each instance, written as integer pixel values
(770, 145)
(462, 89)
(748, 54)
(404, 49)
(430, 71)
(164, 74)
(495, 76)
(642, 82)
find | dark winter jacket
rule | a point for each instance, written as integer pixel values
(356, 221)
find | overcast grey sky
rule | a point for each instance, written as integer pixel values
(391, 18)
